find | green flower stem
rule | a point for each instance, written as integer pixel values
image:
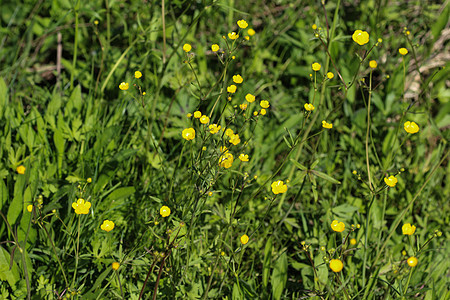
(75, 46)
(409, 278)
(367, 133)
(366, 238)
(77, 252)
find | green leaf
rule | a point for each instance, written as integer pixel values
(325, 176)
(3, 96)
(267, 261)
(122, 192)
(299, 165)
(3, 194)
(11, 275)
(279, 276)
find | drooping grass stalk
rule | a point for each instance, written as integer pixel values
(75, 45)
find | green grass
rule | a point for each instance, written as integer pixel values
(64, 118)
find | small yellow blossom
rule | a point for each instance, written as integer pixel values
(411, 127)
(408, 229)
(243, 106)
(144, 93)
(188, 134)
(231, 89)
(380, 40)
(314, 26)
(237, 78)
(255, 113)
(373, 64)
(124, 86)
(21, 170)
(89, 180)
(412, 261)
(326, 125)
(214, 128)
(115, 266)
(96, 22)
(353, 242)
(233, 57)
(309, 107)
(215, 47)
(81, 207)
(229, 132)
(234, 139)
(407, 32)
(187, 47)
(197, 114)
(210, 194)
(189, 115)
(263, 112)
(391, 180)
(316, 66)
(243, 157)
(250, 98)
(137, 74)
(336, 265)
(164, 211)
(278, 187)
(330, 75)
(242, 24)
(360, 37)
(337, 226)
(244, 239)
(247, 37)
(226, 160)
(233, 35)
(107, 225)
(204, 148)
(204, 119)
(403, 51)
(30, 208)
(251, 32)
(264, 104)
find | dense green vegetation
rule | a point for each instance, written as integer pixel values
(84, 138)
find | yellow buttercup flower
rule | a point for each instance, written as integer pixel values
(244, 239)
(233, 35)
(391, 180)
(197, 114)
(229, 132)
(309, 107)
(336, 265)
(263, 112)
(314, 26)
(30, 208)
(278, 187)
(214, 128)
(164, 211)
(187, 47)
(21, 170)
(243, 106)
(337, 226)
(403, 51)
(408, 229)
(250, 98)
(237, 78)
(107, 225)
(243, 157)
(264, 104)
(251, 32)
(124, 86)
(215, 47)
(242, 24)
(204, 119)
(188, 134)
(316, 66)
(327, 125)
(81, 207)
(189, 115)
(231, 89)
(137, 74)
(234, 139)
(115, 266)
(360, 37)
(412, 261)
(353, 242)
(226, 160)
(411, 127)
(255, 113)
(330, 75)
(373, 64)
